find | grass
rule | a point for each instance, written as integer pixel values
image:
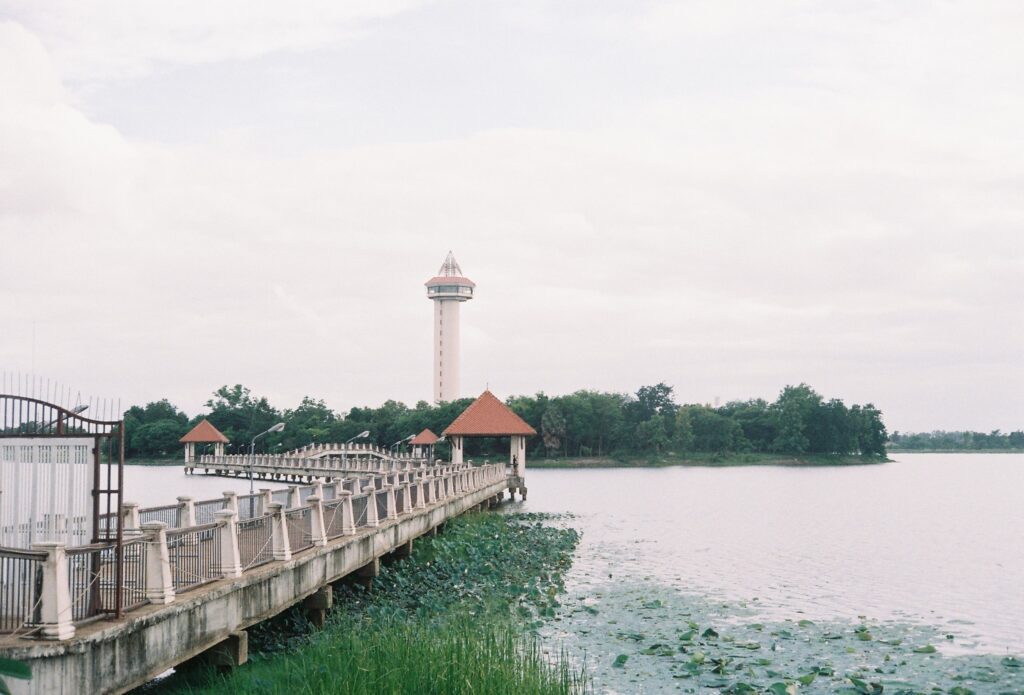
(703, 459)
(452, 618)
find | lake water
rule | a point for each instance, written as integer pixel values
(929, 537)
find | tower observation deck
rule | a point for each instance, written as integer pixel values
(448, 290)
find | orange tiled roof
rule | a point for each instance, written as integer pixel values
(449, 280)
(488, 417)
(204, 433)
(426, 437)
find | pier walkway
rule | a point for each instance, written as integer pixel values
(194, 575)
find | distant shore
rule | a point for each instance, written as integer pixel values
(706, 460)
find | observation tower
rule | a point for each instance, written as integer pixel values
(448, 289)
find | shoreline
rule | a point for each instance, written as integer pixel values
(706, 461)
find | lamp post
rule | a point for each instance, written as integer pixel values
(399, 442)
(344, 454)
(252, 454)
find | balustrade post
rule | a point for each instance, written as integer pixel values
(392, 503)
(230, 561)
(230, 501)
(371, 506)
(406, 488)
(317, 530)
(421, 491)
(159, 581)
(54, 609)
(266, 498)
(348, 519)
(427, 487)
(279, 532)
(186, 512)
(294, 498)
(318, 488)
(130, 518)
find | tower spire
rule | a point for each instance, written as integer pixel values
(450, 267)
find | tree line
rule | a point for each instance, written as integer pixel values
(586, 423)
(958, 441)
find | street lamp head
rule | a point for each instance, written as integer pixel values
(362, 435)
(277, 428)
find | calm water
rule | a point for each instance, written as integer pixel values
(930, 538)
(153, 486)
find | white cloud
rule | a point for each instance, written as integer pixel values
(828, 225)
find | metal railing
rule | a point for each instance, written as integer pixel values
(21, 584)
(300, 532)
(255, 541)
(103, 581)
(194, 553)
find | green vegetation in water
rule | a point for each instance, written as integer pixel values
(645, 636)
(452, 618)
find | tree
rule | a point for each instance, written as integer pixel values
(552, 426)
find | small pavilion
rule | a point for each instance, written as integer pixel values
(489, 417)
(423, 444)
(203, 433)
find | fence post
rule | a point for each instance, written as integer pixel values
(279, 532)
(130, 518)
(159, 582)
(230, 562)
(421, 490)
(348, 519)
(318, 488)
(266, 499)
(392, 503)
(371, 506)
(186, 512)
(54, 611)
(407, 497)
(427, 482)
(230, 501)
(294, 498)
(316, 520)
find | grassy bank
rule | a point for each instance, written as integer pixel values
(702, 459)
(452, 618)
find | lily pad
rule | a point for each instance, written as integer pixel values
(620, 661)
(925, 649)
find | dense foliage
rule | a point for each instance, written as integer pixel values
(958, 441)
(449, 619)
(585, 423)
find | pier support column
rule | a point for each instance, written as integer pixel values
(55, 597)
(365, 574)
(404, 550)
(316, 605)
(279, 532)
(159, 582)
(226, 655)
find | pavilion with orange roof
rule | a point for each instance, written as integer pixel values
(489, 417)
(423, 444)
(203, 433)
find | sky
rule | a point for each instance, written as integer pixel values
(724, 196)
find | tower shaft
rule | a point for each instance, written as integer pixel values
(446, 350)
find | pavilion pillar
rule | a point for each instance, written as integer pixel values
(517, 454)
(456, 442)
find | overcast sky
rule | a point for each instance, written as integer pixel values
(725, 196)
